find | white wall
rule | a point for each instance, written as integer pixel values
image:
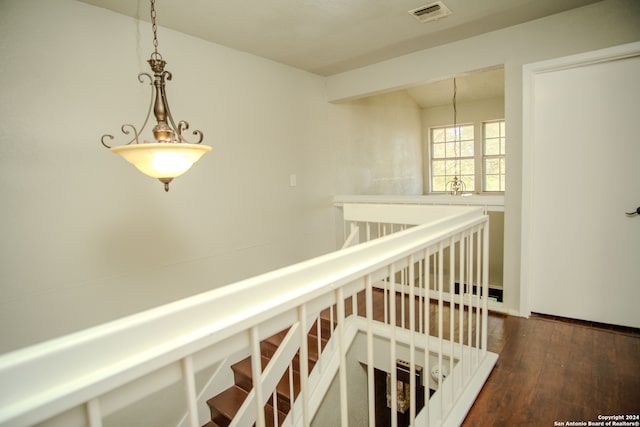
(329, 411)
(84, 236)
(603, 24)
(377, 145)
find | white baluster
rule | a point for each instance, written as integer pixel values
(440, 320)
(463, 286)
(370, 372)
(342, 348)
(421, 280)
(274, 403)
(94, 413)
(471, 279)
(304, 365)
(452, 310)
(412, 344)
(319, 342)
(479, 292)
(427, 332)
(256, 372)
(188, 373)
(392, 351)
(485, 285)
(291, 392)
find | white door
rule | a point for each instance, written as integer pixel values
(581, 253)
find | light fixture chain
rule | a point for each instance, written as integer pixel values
(154, 27)
(456, 131)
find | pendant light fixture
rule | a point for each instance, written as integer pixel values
(456, 186)
(170, 154)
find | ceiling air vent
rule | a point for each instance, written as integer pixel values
(430, 12)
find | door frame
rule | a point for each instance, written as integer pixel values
(529, 73)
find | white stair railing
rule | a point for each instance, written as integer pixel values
(86, 369)
(442, 290)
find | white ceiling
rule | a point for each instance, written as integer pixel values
(332, 36)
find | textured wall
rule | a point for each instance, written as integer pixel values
(377, 145)
(84, 236)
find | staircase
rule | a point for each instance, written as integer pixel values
(226, 404)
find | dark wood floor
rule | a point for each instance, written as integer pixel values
(553, 370)
(550, 370)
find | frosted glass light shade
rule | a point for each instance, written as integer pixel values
(162, 160)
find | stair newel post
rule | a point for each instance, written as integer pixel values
(188, 374)
(256, 372)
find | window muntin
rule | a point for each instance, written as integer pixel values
(493, 159)
(452, 154)
(480, 161)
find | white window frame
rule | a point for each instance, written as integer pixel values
(479, 156)
(502, 156)
(457, 140)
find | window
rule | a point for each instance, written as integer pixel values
(493, 159)
(452, 154)
(480, 163)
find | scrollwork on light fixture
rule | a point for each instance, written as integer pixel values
(171, 154)
(124, 127)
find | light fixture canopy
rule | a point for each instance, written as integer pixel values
(171, 154)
